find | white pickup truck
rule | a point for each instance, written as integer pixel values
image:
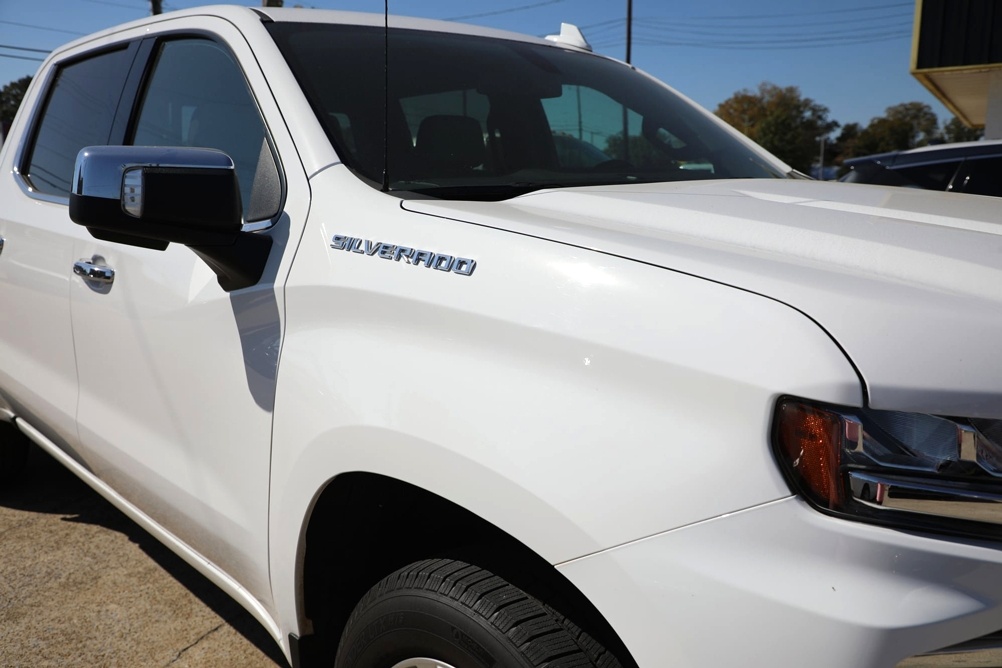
(439, 346)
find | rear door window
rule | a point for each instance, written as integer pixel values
(80, 111)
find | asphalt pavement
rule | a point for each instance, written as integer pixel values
(83, 585)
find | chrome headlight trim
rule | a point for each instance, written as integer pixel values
(905, 470)
(935, 499)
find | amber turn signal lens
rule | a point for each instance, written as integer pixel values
(810, 441)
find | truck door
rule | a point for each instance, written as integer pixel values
(76, 106)
(177, 376)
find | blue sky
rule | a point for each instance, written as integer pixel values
(850, 55)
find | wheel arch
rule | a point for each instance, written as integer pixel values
(387, 523)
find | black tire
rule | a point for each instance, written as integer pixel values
(445, 612)
(13, 452)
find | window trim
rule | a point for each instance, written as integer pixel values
(26, 147)
(144, 50)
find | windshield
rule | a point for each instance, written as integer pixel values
(480, 118)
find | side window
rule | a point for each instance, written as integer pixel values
(984, 177)
(936, 176)
(197, 96)
(79, 112)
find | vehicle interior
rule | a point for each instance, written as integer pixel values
(490, 119)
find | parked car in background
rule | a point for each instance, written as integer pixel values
(968, 167)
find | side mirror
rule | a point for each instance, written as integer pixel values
(153, 196)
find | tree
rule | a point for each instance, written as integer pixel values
(641, 153)
(954, 131)
(883, 135)
(903, 126)
(10, 99)
(845, 143)
(781, 120)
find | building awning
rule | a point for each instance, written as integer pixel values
(957, 54)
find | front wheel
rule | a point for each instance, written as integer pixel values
(448, 614)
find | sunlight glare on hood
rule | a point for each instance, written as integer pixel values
(585, 274)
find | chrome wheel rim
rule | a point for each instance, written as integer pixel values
(422, 663)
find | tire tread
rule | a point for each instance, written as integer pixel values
(546, 638)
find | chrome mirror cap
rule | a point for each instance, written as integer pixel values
(153, 195)
(101, 170)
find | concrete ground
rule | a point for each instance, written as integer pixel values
(82, 585)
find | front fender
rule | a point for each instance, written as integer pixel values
(573, 399)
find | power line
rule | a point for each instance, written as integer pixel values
(810, 39)
(756, 17)
(695, 24)
(783, 47)
(28, 25)
(881, 23)
(117, 4)
(504, 11)
(23, 48)
(691, 20)
(771, 45)
(10, 55)
(602, 23)
(710, 36)
(898, 17)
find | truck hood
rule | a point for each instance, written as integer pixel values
(908, 283)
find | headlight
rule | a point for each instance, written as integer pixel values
(906, 469)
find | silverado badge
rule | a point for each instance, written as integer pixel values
(463, 266)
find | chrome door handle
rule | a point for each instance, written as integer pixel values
(87, 270)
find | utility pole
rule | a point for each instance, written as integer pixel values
(629, 29)
(156, 7)
(580, 120)
(629, 45)
(821, 162)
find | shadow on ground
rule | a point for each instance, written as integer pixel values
(47, 488)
